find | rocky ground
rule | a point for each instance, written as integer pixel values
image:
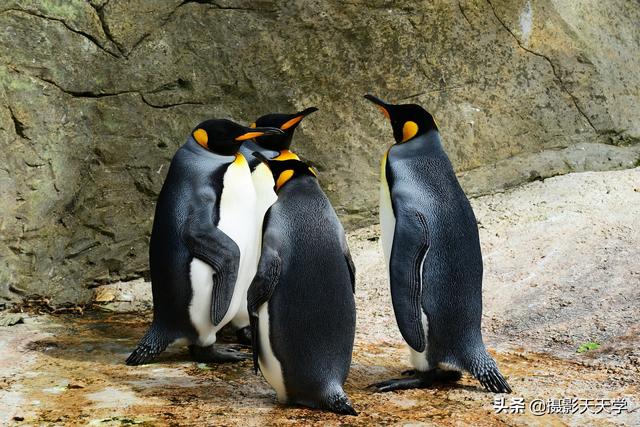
(561, 271)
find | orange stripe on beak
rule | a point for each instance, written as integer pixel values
(384, 111)
(249, 135)
(291, 122)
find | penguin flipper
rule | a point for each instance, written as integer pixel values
(410, 245)
(485, 369)
(339, 404)
(210, 244)
(154, 342)
(260, 291)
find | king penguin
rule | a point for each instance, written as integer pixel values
(432, 249)
(199, 240)
(301, 300)
(270, 146)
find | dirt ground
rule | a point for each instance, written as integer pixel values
(561, 270)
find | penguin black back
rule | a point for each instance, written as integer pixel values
(305, 279)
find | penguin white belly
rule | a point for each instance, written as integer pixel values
(263, 183)
(269, 365)
(419, 359)
(387, 218)
(236, 217)
(387, 231)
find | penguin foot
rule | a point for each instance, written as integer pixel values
(217, 354)
(244, 335)
(417, 380)
(398, 384)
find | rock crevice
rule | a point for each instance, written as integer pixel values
(546, 58)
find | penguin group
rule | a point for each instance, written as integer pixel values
(243, 235)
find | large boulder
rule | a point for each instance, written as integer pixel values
(96, 96)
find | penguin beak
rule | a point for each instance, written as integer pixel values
(383, 106)
(308, 111)
(297, 118)
(258, 155)
(257, 132)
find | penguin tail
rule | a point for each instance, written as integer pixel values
(340, 405)
(485, 370)
(150, 346)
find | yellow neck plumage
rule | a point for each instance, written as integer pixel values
(287, 155)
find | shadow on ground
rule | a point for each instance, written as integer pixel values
(69, 370)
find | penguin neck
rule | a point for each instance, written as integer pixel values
(250, 146)
(193, 146)
(277, 142)
(240, 160)
(299, 184)
(427, 144)
(287, 155)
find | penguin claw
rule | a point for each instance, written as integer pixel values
(215, 354)
(244, 336)
(417, 379)
(397, 384)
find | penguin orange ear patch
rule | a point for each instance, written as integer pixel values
(409, 130)
(201, 137)
(291, 122)
(283, 178)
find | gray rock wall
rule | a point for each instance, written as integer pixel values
(96, 96)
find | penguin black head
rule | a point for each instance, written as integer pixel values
(224, 136)
(284, 170)
(407, 120)
(285, 122)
